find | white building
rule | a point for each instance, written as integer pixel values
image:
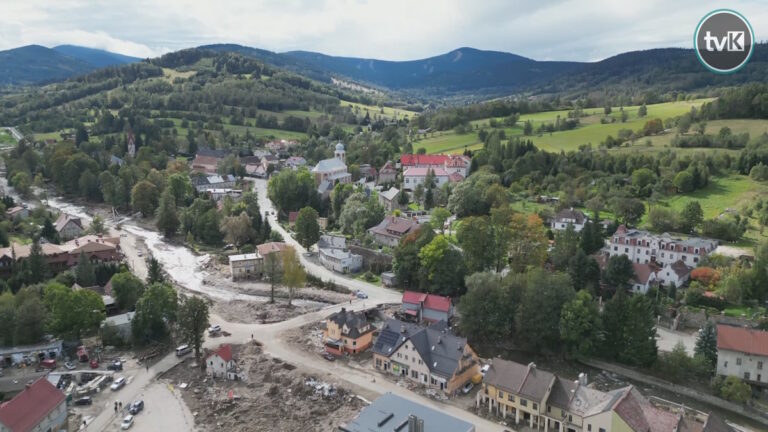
(743, 353)
(204, 183)
(219, 194)
(221, 363)
(566, 217)
(329, 172)
(676, 273)
(416, 176)
(645, 276)
(644, 247)
(334, 255)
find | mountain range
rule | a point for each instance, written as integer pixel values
(34, 64)
(461, 71)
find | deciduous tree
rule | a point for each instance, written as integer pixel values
(193, 319)
(580, 325)
(294, 275)
(144, 198)
(167, 218)
(307, 227)
(128, 289)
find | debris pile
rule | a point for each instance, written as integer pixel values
(277, 397)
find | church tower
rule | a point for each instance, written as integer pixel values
(340, 153)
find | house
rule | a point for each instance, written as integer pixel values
(334, 255)
(281, 146)
(18, 212)
(392, 412)
(389, 199)
(743, 353)
(644, 247)
(347, 332)
(295, 162)
(413, 177)
(245, 266)
(449, 163)
(565, 217)
(256, 170)
(219, 194)
(431, 356)
(204, 183)
(390, 230)
(542, 400)
(205, 164)
(645, 276)
(675, 274)
(96, 248)
(68, 226)
(39, 407)
(427, 307)
(329, 172)
(368, 172)
(251, 265)
(114, 160)
(455, 177)
(387, 173)
(221, 363)
(121, 324)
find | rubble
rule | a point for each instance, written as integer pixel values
(276, 397)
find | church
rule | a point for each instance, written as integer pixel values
(329, 172)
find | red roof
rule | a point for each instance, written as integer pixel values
(25, 411)
(292, 216)
(224, 351)
(417, 159)
(430, 301)
(742, 339)
(413, 297)
(436, 302)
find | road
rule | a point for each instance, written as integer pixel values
(179, 262)
(18, 136)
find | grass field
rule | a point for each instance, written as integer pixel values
(387, 112)
(591, 129)
(171, 74)
(6, 138)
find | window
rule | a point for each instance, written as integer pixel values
(510, 397)
(501, 394)
(746, 376)
(626, 250)
(759, 378)
(615, 248)
(523, 402)
(535, 406)
(738, 361)
(589, 428)
(760, 365)
(570, 418)
(725, 365)
(406, 357)
(601, 430)
(415, 374)
(354, 343)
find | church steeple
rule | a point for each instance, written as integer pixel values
(340, 153)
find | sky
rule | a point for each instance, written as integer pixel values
(575, 30)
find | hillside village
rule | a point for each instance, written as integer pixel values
(223, 238)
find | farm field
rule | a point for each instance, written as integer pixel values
(590, 131)
(387, 112)
(6, 138)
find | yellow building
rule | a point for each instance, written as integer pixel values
(347, 332)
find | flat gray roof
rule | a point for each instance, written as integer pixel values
(390, 411)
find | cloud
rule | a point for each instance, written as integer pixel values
(387, 29)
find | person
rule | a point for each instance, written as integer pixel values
(120, 404)
(115, 407)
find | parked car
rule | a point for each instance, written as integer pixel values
(484, 369)
(127, 422)
(48, 364)
(214, 329)
(136, 407)
(94, 364)
(329, 357)
(183, 350)
(467, 388)
(361, 295)
(85, 400)
(140, 253)
(116, 365)
(117, 384)
(69, 366)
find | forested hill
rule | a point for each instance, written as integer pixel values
(34, 64)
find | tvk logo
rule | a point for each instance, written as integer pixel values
(724, 41)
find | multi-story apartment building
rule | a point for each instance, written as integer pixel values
(644, 247)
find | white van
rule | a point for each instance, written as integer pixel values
(183, 350)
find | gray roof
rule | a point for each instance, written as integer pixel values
(390, 194)
(355, 321)
(332, 164)
(525, 380)
(562, 392)
(121, 319)
(438, 347)
(324, 187)
(390, 411)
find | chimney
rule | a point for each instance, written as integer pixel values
(402, 329)
(343, 310)
(583, 379)
(419, 425)
(412, 424)
(531, 365)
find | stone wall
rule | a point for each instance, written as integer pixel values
(695, 319)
